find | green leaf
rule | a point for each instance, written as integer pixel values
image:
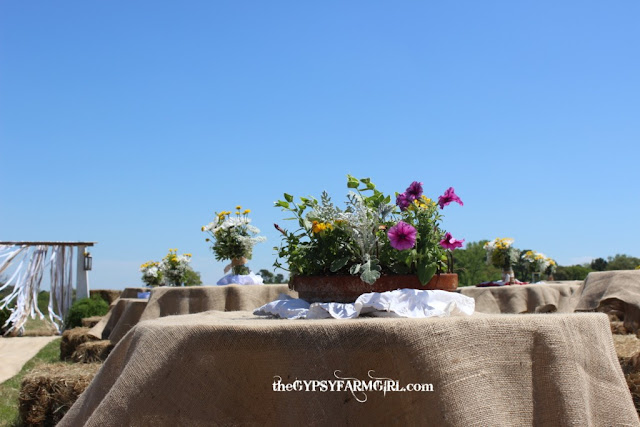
(426, 272)
(338, 264)
(282, 204)
(288, 197)
(355, 268)
(352, 182)
(370, 276)
(365, 180)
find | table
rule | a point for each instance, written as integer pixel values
(217, 368)
(534, 298)
(171, 301)
(620, 289)
(123, 315)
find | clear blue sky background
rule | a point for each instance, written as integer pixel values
(130, 123)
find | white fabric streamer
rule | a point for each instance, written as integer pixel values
(26, 280)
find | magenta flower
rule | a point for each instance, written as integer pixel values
(448, 197)
(448, 242)
(414, 191)
(402, 201)
(402, 236)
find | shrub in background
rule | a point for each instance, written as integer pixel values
(4, 316)
(87, 307)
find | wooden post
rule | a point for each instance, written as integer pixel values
(82, 282)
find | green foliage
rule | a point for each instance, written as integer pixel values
(572, 272)
(87, 307)
(471, 266)
(43, 302)
(622, 262)
(599, 264)
(192, 277)
(269, 278)
(4, 316)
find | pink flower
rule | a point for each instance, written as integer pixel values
(448, 197)
(414, 191)
(402, 236)
(403, 201)
(448, 242)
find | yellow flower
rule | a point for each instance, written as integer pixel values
(247, 211)
(237, 212)
(317, 227)
(202, 229)
(207, 239)
(238, 207)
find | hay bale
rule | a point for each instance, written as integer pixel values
(92, 351)
(109, 295)
(71, 339)
(49, 390)
(90, 322)
(626, 345)
(617, 327)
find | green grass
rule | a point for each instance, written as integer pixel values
(10, 389)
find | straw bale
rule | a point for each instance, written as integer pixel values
(90, 322)
(617, 327)
(49, 390)
(92, 351)
(109, 295)
(71, 339)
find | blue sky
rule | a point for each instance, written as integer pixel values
(129, 124)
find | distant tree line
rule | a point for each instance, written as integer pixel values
(472, 268)
(270, 278)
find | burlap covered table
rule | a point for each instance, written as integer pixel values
(618, 290)
(536, 298)
(123, 315)
(169, 301)
(487, 370)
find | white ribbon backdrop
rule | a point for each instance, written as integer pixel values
(26, 279)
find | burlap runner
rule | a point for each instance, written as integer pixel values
(615, 288)
(538, 298)
(168, 301)
(123, 315)
(487, 370)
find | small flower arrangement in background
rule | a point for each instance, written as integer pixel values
(537, 262)
(371, 236)
(175, 268)
(151, 274)
(233, 239)
(501, 253)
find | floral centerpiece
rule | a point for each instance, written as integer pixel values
(151, 273)
(233, 239)
(537, 263)
(502, 254)
(371, 237)
(174, 268)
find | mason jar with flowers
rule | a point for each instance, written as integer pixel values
(233, 238)
(370, 245)
(502, 254)
(538, 264)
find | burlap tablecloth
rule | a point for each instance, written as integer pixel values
(123, 315)
(133, 292)
(169, 301)
(537, 298)
(487, 370)
(615, 290)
